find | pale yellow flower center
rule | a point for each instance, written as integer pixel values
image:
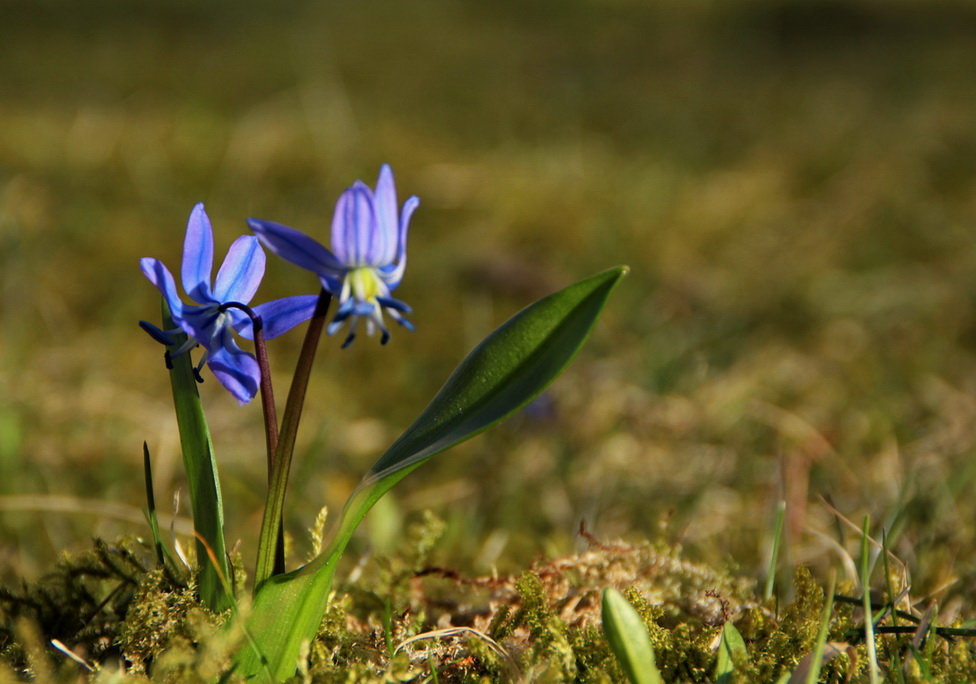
(364, 284)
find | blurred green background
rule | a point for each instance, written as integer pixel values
(792, 183)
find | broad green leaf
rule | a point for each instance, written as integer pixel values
(628, 639)
(201, 474)
(502, 374)
(730, 648)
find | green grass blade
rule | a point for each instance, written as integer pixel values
(201, 474)
(816, 660)
(628, 639)
(774, 552)
(730, 648)
(895, 667)
(502, 374)
(865, 571)
(163, 555)
(151, 507)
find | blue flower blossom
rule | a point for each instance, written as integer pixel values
(368, 257)
(210, 322)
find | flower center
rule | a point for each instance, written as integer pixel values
(221, 320)
(364, 284)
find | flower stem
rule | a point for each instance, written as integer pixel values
(270, 552)
(267, 390)
(270, 413)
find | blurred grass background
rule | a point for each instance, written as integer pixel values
(792, 183)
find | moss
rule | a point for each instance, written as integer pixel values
(659, 636)
(164, 626)
(362, 626)
(550, 649)
(416, 621)
(82, 602)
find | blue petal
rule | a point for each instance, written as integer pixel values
(362, 308)
(331, 284)
(297, 247)
(199, 323)
(240, 322)
(198, 256)
(157, 334)
(353, 225)
(346, 309)
(160, 276)
(396, 309)
(384, 247)
(281, 315)
(242, 270)
(396, 304)
(236, 370)
(393, 278)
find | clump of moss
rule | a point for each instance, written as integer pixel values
(549, 644)
(402, 619)
(555, 630)
(547, 621)
(363, 626)
(83, 602)
(163, 628)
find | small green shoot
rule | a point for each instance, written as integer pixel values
(732, 647)
(628, 639)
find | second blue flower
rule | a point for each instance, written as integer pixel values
(368, 257)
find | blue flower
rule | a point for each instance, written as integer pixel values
(368, 257)
(210, 322)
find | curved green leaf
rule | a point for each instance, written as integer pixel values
(502, 374)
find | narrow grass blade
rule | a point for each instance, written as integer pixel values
(731, 648)
(815, 662)
(628, 639)
(774, 552)
(201, 473)
(830, 650)
(151, 507)
(502, 374)
(163, 554)
(895, 667)
(865, 572)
